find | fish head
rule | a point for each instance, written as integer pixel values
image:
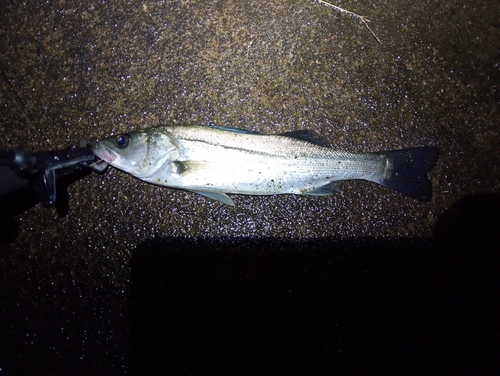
(140, 153)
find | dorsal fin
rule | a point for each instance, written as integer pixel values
(231, 129)
(306, 135)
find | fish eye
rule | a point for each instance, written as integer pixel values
(122, 140)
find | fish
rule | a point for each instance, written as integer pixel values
(215, 161)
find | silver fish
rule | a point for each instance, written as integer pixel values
(213, 161)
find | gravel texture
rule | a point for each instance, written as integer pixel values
(72, 282)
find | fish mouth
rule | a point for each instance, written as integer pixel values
(100, 151)
(103, 154)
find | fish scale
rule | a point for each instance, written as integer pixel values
(214, 161)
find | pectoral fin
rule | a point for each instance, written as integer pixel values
(222, 197)
(186, 167)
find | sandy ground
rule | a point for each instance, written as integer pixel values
(70, 281)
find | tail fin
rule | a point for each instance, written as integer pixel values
(408, 174)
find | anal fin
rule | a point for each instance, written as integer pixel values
(325, 190)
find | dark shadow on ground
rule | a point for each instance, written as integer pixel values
(273, 306)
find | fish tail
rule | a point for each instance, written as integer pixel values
(407, 169)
